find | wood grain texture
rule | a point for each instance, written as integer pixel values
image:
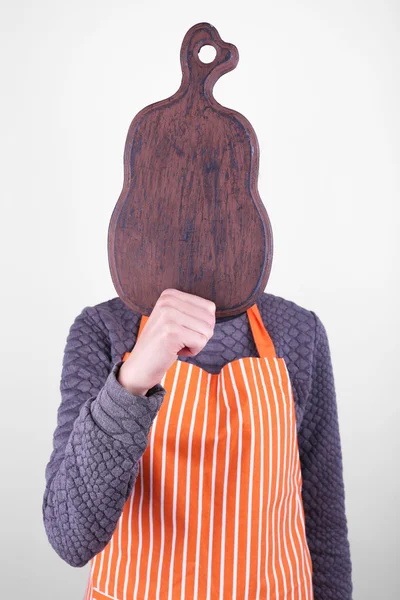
(189, 215)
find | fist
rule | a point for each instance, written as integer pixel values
(180, 324)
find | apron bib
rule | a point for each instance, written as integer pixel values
(216, 511)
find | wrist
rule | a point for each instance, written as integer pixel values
(132, 385)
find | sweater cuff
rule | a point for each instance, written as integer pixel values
(125, 416)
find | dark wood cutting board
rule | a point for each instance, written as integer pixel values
(189, 215)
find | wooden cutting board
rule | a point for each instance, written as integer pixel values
(189, 215)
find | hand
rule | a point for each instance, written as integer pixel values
(180, 324)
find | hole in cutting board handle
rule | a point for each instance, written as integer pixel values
(207, 53)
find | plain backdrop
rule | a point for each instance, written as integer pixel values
(319, 82)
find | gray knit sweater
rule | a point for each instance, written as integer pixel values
(102, 430)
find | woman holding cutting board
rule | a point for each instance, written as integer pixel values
(197, 452)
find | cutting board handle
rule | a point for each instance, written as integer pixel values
(198, 76)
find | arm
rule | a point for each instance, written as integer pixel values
(102, 431)
(323, 486)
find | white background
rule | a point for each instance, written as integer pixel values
(319, 82)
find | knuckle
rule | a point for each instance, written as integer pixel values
(169, 324)
(165, 305)
(162, 302)
(207, 334)
(167, 328)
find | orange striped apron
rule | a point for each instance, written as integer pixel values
(216, 511)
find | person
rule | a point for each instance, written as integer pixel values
(229, 478)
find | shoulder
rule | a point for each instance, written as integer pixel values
(114, 321)
(300, 338)
(294, 331)
(112, 313)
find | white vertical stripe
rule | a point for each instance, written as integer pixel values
(188, 475)
(277, 590)
(151, 464)
(109, 562)
(238, 478)
(140, 524)
(175, 482)
(294, 498)
(163, 459)
(267, 512)
(91, 590)
(286, 461)
(119, 553)
(297, 531)
(129, 548)
(260, 512)
(225, 493)
(101, 568)
(292, 491)
(297, 477)
(296, 484)
(90, 580)
(94, 562)
(250, 475)
(200, 496)
(306, 550)
(214, 469)
(279, 468)
(298, 511)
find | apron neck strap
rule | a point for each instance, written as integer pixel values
(262, 339)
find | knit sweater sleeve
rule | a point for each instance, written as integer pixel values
(101, 433)
(323, 486)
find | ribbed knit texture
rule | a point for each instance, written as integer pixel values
(102, 431)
